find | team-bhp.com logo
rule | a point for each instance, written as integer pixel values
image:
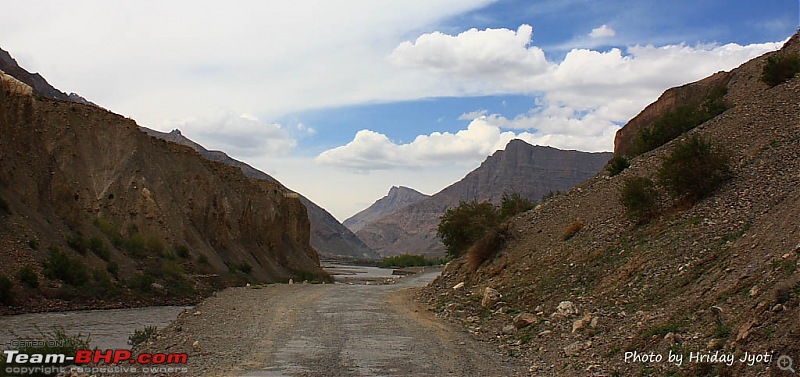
(108, 361)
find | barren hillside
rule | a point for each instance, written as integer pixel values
(717, 277)
(90, 201)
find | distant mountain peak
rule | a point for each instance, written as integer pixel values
(397, 198)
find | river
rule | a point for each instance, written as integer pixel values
(109, 329)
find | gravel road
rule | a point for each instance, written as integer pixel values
(326, 330)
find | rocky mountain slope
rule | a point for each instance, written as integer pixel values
(94, 209)
(718, 278)
(328, 235)
(397, 198)
(35, 80)
(532, 171)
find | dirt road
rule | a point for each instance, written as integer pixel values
(326, 330)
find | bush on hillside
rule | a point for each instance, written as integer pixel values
(640, 198)
(780, 68)
(61, 266)
(513, 204)
(617, 164)
(410, 260)
(680, 120)
(694, 169)
(463, 225)
(486, 246)
(572, 229)
(6, 294)
(28, 277)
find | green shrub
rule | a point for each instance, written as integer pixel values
(97, 246)
(694, 169)
(617, 164)
(33, 244)
(155, 245)
(60, 266)
(182, 251)
(680, 120)
(6, 293)
(244, 267)
(140, 336)
(463, 225)
(640, 198)
(142, 282)
(110, 230)
(28, 277)
(780, 67)
(514, 204)
(202, 259)
(77, 243)
(135, 245)
(113, 269)
(410, 260)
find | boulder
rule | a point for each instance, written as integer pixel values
(524, 320)
(490, 297)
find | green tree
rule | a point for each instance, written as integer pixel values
(461, 226)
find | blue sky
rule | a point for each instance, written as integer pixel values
(342, 100)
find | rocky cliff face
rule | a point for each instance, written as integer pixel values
(328, 236)
(718, 277)
(397, 198)
(72, 172)
(532, 171)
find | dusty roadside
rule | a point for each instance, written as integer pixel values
(326, 330)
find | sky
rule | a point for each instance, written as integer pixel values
(341, 100)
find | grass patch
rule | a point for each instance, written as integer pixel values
(57, 341)
(141, 336)
(182, 251)
(572, 229)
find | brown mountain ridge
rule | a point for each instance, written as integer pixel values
(532, 171)
(88, 197)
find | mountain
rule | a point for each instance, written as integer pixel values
(588, 286)
(397, 198)
(533, 171)
(35, 80)
(85, 196)
(328, 235)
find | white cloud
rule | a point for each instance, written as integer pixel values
(492, 54)
(604, 31)
(584, 99)
(240, 135)
(371, 150)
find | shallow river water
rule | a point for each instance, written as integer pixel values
(107, 328)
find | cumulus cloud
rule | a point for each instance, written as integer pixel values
(604, 31)
(371, 150)
(582, 100)
(238, 134)
(491, 54)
